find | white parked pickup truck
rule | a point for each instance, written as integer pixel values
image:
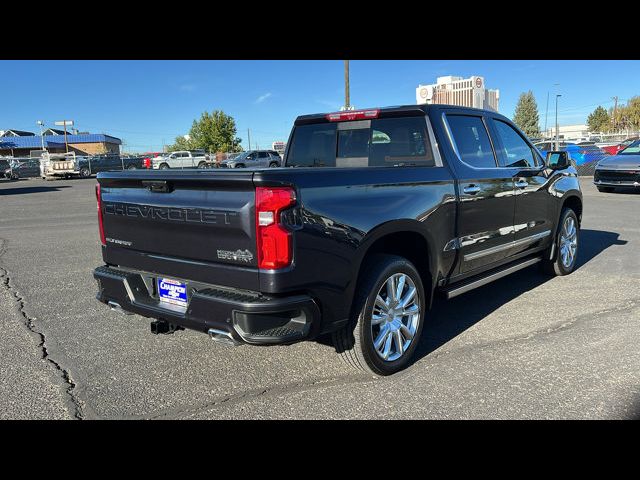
(181, 159)
(58, 165)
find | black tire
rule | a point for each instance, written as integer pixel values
(164, 166)
(556, 266)
(273, 165)
(355, 341)
(85, 172)
(239, 165)
(605, 189)
(131, 167)
(202, 165)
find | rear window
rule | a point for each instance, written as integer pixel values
(370, 143)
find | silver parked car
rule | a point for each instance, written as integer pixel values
(621, 170)
(254, 158)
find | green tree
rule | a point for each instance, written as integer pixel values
(213, 132)
(599, 120)
(526, 115)
(182, 143)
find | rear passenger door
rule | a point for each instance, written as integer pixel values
(532, 221)
(487, 203)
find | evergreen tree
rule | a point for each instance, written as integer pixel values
(599, 120)
(526, 115)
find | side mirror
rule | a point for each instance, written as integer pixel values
(557, 160)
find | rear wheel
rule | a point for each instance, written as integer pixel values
(387, 317)
(202, 165)
(605, 189)
(85, 172)
(566, 245)
(131, 167)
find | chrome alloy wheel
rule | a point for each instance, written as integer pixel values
(568, 242)
(395, 318)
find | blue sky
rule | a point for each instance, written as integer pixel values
(148, 103)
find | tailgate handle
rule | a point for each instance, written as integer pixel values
(160, 186)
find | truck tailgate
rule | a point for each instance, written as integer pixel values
(182, 222)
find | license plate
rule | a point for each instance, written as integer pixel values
(172, 291)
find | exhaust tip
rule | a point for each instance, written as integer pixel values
(115, 306)
(223, 337)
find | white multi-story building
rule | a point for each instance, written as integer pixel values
(466, 92)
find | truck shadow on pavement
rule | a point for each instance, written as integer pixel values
(448, 319)
(25, 190)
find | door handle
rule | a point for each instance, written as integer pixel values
(471, 189)
(522, 184)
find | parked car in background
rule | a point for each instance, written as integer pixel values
(614, 149)
(579, 154)
(26, 169)
(254, 158)
(93, 164)
(181, 159)
(619, 171)
(148, 156)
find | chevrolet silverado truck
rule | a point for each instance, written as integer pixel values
(373, 213)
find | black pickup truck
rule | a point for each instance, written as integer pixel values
(373, 213)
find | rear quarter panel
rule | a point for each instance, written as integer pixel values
(341, 212)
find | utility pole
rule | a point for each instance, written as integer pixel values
(557, 133)
(249, 138)
(615, 109)
(346, 85)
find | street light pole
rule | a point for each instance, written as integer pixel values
(41, 123)
(557, 133)
(546, 114)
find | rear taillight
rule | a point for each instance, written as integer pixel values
(273, 241)
(147, 162)
(100, 225)
(352, 115)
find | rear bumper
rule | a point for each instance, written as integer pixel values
(249, 317)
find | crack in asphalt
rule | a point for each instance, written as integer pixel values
(255, 393)
(73, 401)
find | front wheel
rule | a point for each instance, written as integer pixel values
(239, 165)
(565, 245)
(164, 166)
(388, 315)
(85, 172)
(131, 167)
(273, 165)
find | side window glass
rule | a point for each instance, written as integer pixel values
(514, 151)
(472, 141)
(400, 141)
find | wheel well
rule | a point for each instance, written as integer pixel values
(574, 204)
(410, 245)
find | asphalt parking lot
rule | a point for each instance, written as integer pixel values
(524, 347)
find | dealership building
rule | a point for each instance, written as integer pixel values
(18, 143)
(466, 92)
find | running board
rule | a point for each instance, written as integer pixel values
(456, 290)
